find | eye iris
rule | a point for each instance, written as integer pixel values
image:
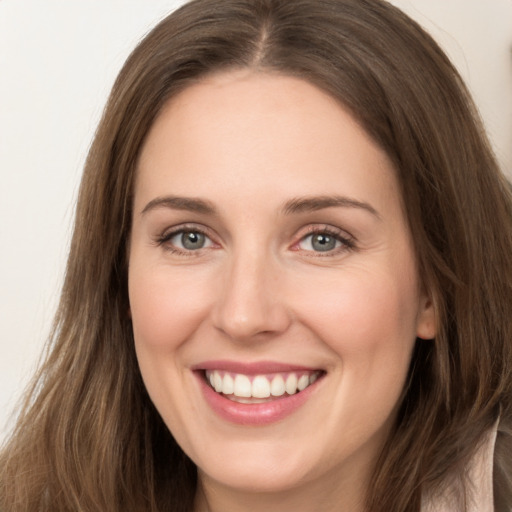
(323, 242)
(192, 240)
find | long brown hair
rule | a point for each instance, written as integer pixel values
(88, 437)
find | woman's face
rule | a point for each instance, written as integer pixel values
(270, 253)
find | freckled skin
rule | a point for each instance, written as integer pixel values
(259, 290)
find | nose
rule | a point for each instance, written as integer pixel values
(252, 302)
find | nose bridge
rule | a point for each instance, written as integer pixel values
(250, 302)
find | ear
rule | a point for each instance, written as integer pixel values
(426, 325)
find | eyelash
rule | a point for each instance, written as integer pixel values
(166, 236)
(348, 243)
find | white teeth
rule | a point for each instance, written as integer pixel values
(228, 386)
(262, 386)
(291, 384)
(303, 382)
(243, 386)
(217, 382)
(277, 386)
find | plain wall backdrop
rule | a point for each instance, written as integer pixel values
(58, 60)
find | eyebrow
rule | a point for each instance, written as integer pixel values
(190, 204)
(293, 206)
(314, 203)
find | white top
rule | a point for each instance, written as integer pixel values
(480, 483)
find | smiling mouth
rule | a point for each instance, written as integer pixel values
(255, 389)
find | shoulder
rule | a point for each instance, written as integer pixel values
(477, 492)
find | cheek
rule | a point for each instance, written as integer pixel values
(368, 321)
(166, 306)
(358, 312)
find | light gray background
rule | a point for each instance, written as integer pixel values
(58, 60)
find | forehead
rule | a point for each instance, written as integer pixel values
(251, 132)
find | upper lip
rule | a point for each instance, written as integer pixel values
(251, 368)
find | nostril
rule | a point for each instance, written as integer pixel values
(252, 303)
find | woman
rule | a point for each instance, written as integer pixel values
(289, 285)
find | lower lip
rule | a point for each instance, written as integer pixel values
(254, 414)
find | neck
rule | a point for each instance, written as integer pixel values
(331, 493)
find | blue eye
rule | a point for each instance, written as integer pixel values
(320, 242)
(325, 242)
(185, 240)
(190, 240)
